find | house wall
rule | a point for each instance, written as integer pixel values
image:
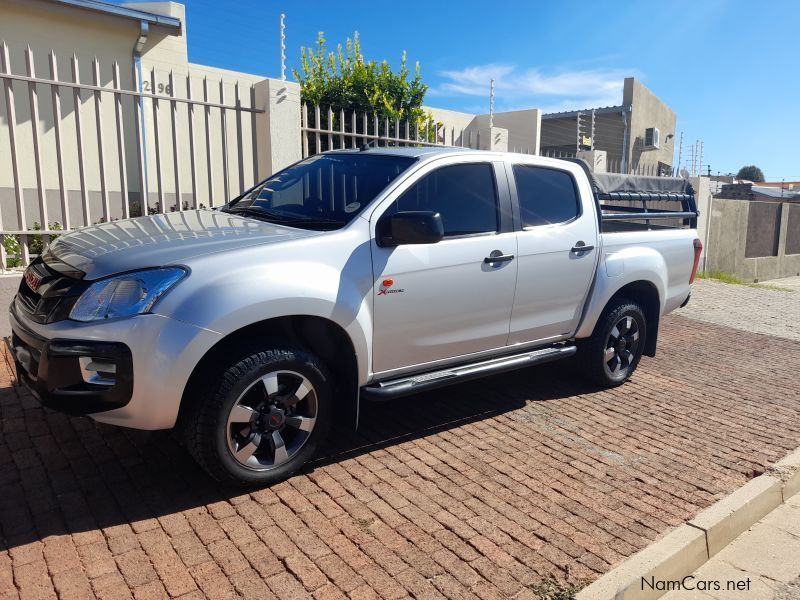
(647, 110)
(523, 129)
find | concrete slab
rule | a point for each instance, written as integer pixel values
(767, 551)
(729, 579)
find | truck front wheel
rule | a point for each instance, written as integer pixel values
(263, 417)
(612, 354)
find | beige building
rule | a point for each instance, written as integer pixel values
(638, 134)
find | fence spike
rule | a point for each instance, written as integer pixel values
(76, 96)
(56, 97)
(120, 120)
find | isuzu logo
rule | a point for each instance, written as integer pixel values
(33, 279)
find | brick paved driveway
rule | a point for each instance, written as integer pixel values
(484, 490)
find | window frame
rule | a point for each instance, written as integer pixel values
(512, 182)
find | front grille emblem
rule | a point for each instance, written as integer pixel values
(33, 279)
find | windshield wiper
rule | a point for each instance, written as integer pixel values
(281, 216)
(257, 212)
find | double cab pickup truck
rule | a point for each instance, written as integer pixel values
(352, 275)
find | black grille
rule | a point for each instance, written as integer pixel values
(53, 298)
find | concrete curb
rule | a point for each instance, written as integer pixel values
(684, 549)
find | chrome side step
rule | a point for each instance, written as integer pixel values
(395, 388)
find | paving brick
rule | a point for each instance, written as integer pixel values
(478, 491)
(136, 568)
(305, 571)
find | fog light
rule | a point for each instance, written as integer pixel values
(98, 371)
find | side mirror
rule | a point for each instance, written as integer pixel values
(410, 227)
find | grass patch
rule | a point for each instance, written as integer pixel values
(733, 280)
(550, 589)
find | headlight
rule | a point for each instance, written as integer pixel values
(125, 295)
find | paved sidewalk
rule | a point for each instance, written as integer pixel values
(757, 310)
(761, 564)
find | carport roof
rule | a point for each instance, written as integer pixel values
(123, 11)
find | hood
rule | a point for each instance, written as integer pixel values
(158, 240)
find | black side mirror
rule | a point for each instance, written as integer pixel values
(410, 227)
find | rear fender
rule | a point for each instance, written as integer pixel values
(617, 270)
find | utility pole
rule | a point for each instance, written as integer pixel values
(491, 105)
(283, 48)
(680, 155)
(700, 167)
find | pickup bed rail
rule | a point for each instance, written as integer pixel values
(631, 202)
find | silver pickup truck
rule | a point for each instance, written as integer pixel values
(351, 275)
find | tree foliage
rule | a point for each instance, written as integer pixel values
(750, 173)
(345, 80)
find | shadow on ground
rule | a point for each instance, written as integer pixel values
(64, 474)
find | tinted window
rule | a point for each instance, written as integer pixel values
(464, 195)
(545, 195)
(323, 191)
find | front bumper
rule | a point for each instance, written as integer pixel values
(154, 357)
(54, 371)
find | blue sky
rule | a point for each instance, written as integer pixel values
(730, 69)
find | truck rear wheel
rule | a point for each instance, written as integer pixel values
(263, 417)
(612, 354)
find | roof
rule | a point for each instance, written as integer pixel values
(122, 11)
(598, 111)
(773, 192)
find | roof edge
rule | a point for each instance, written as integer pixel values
(122, 11)
(585, 111)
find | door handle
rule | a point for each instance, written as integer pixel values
(497, 256)
(581, 247)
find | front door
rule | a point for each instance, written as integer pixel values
(443, 300)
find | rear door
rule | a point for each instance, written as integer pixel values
(438, 301)
(557, 251)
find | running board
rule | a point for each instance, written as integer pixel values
(395, 388)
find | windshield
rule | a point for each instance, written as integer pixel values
(325, 191)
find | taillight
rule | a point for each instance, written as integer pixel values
(698, 249)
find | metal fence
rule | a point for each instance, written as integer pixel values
(168, 154)
(329, 129)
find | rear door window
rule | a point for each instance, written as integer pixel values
(546, 196)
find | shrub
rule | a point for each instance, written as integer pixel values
(345, 80)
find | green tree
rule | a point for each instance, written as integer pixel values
(345, 80)
(751, 173)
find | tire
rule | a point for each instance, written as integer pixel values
(611, 355)
(262, 417)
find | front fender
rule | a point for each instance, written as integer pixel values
(225, 294)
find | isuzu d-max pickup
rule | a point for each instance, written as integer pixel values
(351, 275)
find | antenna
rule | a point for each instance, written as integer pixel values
(283, 48)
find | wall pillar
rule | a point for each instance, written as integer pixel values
(703, 199)
(597, 160)
(278, 128)
(498, 139)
